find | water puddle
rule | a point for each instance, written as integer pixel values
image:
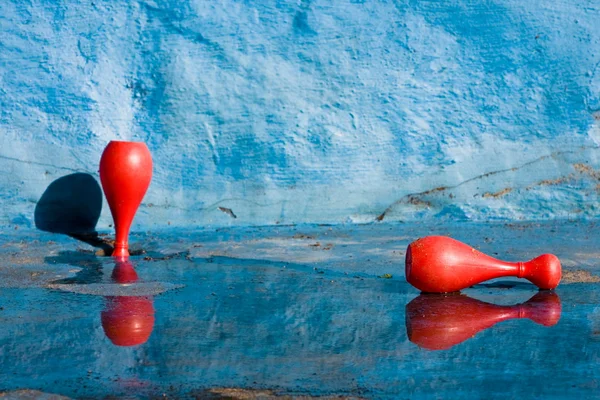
(183, 326)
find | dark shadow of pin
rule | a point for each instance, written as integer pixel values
(71, 205)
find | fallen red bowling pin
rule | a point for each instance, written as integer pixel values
(127, 320)
(438, 322)
(439, 264)
(125, 173)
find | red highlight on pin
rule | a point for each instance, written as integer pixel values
(439, 264)
(125, 173)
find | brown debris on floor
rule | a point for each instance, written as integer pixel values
(20, 259)
(28, 394)
(522, 226)
(579, 276)
(302, 236)
(257, 394)
(179, 255)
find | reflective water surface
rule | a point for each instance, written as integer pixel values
(180, 323)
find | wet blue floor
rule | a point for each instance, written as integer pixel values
(305, 310)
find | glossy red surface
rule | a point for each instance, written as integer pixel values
(438, 322)
(439, 264)
(124, 271)
(125, 173)
(127, 320)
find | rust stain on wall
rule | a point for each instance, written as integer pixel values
(583, 168)
(420, 198)
(496, 195)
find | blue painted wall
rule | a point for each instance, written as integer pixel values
(308, 111)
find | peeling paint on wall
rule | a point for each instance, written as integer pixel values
(307, 112)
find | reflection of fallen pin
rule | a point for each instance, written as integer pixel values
(440, 321)
(108, 289)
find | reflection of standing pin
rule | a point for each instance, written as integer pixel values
(125, 173)
(127, 320)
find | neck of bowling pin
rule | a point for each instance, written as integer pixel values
(122, 240)
(521, 271)
(516, 269)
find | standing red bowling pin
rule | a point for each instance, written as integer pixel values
(439, 264)
(125, 173)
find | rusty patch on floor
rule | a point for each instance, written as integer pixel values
(579, 276)
(20, 259)
(28, 394)
(522, 226)
(303, 236)
(257, 394)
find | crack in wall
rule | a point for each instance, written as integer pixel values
(416, 198)
(212, 206)
(42, 164)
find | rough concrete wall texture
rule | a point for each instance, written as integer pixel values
(308, 111)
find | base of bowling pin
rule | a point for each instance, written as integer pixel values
(120, 251)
